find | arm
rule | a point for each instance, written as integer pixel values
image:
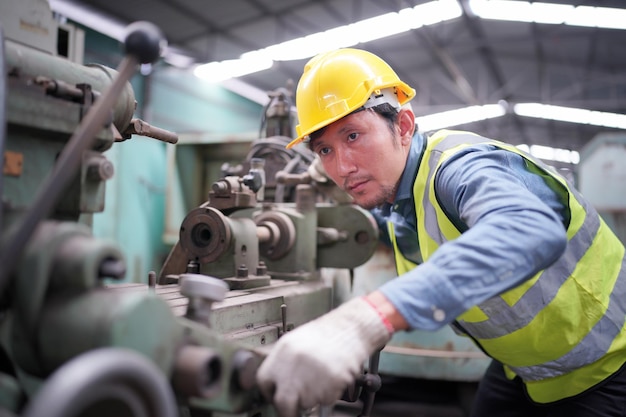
(514, 229)
(387, 311)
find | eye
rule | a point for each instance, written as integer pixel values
(352, 137)
(323, 151)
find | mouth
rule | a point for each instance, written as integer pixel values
(355, 186)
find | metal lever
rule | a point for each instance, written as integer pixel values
(139, 127)
(143, 44)
(371, 383)
(365, 386)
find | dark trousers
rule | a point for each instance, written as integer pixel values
(498, 396)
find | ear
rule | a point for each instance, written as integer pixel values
(406, 121)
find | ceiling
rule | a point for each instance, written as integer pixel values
(453, 64)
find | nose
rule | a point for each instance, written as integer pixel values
(345, 163)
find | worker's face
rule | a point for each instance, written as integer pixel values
(362, 155)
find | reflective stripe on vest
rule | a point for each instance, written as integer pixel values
(551, 327)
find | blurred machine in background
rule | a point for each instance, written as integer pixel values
(602, 178)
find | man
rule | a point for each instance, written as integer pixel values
(486, 239)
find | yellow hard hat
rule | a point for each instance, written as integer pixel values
(336, 83)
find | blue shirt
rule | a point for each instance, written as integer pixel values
(512, 223)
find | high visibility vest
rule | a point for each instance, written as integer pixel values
(563, 330)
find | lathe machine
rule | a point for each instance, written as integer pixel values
(75, 338)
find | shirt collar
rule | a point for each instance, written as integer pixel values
(405, 188)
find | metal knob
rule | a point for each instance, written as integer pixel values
(145, 41)
(202, 291)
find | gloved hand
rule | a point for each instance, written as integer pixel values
(317, 361)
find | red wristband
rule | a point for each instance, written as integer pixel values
(383, 318)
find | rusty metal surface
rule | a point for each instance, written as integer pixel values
(13, 163)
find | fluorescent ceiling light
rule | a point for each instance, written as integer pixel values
(377, 27)
(549, 153)
(459, 116)
(542, 111)
(177, 58)
(550, 13)
(363, 31)
(571, 114)
(249, 62)
(476, 113)
(471, 114)
(430, 13)
(602, 17)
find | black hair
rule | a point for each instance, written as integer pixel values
(386, 110)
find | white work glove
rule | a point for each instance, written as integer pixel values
(317, 361)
